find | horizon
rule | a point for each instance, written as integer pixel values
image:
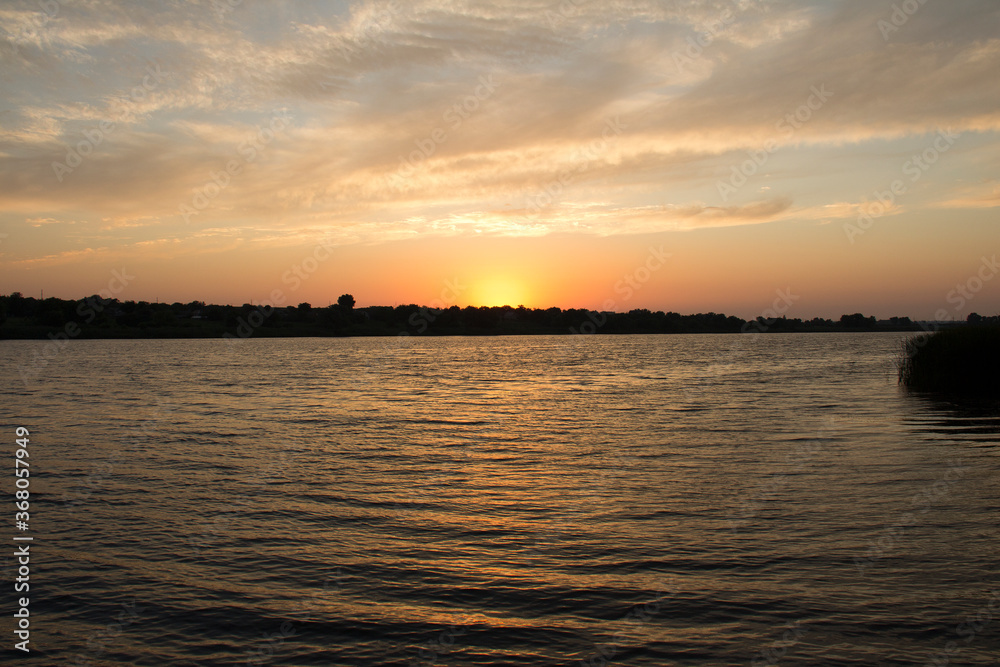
(696, 157)
(777, 311)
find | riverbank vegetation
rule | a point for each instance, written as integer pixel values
(963, 361)
(99, 317)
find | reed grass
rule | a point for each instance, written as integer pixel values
(964, 360)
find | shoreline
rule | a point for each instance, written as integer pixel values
(159, 334)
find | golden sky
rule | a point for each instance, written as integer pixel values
(688, 155)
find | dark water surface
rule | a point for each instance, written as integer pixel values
(632, 500)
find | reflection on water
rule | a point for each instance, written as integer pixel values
(634, 500)
(968, 419)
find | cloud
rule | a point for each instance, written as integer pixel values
(693, 82)
(982, 195)
(39, 222)
(755, 211)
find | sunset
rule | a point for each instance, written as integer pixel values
(536, 332)
(208, 148)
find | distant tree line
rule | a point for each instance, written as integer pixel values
(98, 317)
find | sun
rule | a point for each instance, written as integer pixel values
(498, 291)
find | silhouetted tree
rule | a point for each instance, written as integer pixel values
(346, 301)
(163, 317)
(857, 321)
(16, 303)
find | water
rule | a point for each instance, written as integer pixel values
(632, 500)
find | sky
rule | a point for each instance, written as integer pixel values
(688, 155)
